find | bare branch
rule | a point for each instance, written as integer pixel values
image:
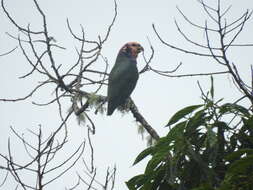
(193, 24)
(14, 22)
(210, 48)
(189, 40)
(5, 178)
(191, 75)
(27, 96)
(147, 67)
(240, 19)
(112, 23)
(141, 119)
(9, 52)
(239, 31)
(207, 8)
(180, 49)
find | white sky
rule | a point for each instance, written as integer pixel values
(116, 140)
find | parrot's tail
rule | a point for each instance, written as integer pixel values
(109, 112)
(110, 109)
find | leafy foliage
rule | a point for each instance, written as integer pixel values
(208, 146)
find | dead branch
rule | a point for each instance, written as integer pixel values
(42, 155)
(226, 33)
(142, 120)
(9, 52)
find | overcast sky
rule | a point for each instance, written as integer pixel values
(116, 140)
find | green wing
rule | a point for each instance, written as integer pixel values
(122, 81)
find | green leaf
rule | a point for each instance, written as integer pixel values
(182, 113)
(148, 180)
(211, 137)
(239, 175)
(248, 123)
(136, 182)
(143, 154)
(212, 89)
(228, 107)
(197, 120)
(238, 153)
(221, 124)
(197, 157)
(176, 131)
(154, 162)
(242, 165)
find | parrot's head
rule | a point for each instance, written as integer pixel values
(132, 49)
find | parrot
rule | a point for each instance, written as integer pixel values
(123, 76)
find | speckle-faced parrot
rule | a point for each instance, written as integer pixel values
(123, 76)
